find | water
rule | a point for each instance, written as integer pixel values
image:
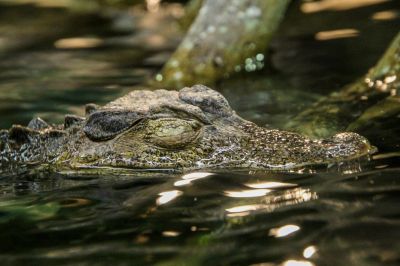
(331, 216)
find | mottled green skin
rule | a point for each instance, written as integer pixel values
(188, 129)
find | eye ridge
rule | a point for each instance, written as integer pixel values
(106, 125)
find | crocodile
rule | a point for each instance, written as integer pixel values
(193, 128)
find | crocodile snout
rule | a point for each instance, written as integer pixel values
(349, 145)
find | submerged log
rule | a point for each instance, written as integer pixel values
(339, 109)
(225, 37)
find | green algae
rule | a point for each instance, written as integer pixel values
(24, 209)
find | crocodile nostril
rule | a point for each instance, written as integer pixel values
(350, 145)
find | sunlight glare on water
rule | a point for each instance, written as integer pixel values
(270, 185)
(336, 34)
(168, 196)
(78, 43)
(309, 252)
(318, 6)
(297, 263)
(189, 178)
(250, 193)
(386, 15)
(284, 230)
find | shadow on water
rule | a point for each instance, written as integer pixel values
(54, 60)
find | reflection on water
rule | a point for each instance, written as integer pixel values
(336, 34)
(88, 221)
(386, 15)
(247, 193)
(318, 6)
(78, 43)
(284, 230)
(189, 178)
(308, 252)
(168, 196)
(270, 185)
(343, 216)
(270, 202)
(297, 263)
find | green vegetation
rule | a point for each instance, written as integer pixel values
(331, 114)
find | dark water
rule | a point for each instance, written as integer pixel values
(343, 215)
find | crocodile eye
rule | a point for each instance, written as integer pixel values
(172, 133)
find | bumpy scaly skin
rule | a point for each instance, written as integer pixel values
(187, 129)
(21, 147)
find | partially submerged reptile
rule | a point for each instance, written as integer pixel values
(188, 129)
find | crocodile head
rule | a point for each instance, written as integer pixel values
(187, 129)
